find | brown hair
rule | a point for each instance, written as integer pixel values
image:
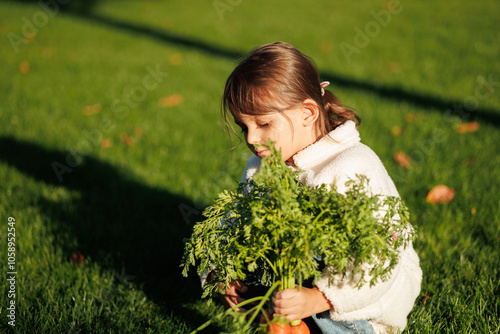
(275, 77)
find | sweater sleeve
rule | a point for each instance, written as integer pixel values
(360, 159)
(347, 299)
(390, 301)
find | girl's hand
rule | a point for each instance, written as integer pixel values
(294, 304)
(231, 296)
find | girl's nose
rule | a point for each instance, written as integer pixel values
(252, 138)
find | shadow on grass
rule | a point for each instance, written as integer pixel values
(395, 93)
(118, 222)
(53, 6)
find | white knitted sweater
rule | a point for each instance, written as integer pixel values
(333, 160)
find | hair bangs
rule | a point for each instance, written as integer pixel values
(243, 96)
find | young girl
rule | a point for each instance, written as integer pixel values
(275, 93)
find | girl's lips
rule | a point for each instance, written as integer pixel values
(262, 153)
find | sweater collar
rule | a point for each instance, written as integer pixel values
(336, 141)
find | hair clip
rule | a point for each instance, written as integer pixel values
(323, 85)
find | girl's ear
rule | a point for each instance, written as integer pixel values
(310, 112)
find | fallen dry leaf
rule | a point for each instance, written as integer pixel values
(402, 159)
(106, 143)
(138, 132)
(468, 127)
(410, 117)
(176, 59)
(171, 100)
(47, 51)
(4, 27)
(77, 258)
(326, 47)
(470, 161)
(30, 36)
(167, 23)
(426, 297)
(396, 131)
(440, 194)
(392, 7)
(92, 109)
(24, 67)
(129, 141)
(394, 67)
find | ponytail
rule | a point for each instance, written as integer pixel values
(336, 113)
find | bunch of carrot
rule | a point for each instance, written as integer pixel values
(276, 228)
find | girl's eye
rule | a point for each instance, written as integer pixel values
(265, 125)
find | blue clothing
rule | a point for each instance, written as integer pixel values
(329, 326)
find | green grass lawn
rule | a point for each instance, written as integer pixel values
(111, 145)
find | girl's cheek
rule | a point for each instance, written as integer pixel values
(271, 134)
(274, 134)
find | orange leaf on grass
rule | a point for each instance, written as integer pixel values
(30, 36)
(396, 131)
(167, 23)
(470, 161)
(93, 109)
(4, 27)
(326, 47)
(468, 127)
(393, 67)
(24, 67)
(176, 59)
(47, 51)
(77, 258)
(106, 143)
(402, 159)
(171, 100)
(138, 132)
(410, 117)
(426, 297)
(392, 7)
(440, 194)
(129, 141)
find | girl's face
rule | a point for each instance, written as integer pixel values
(292, 130)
